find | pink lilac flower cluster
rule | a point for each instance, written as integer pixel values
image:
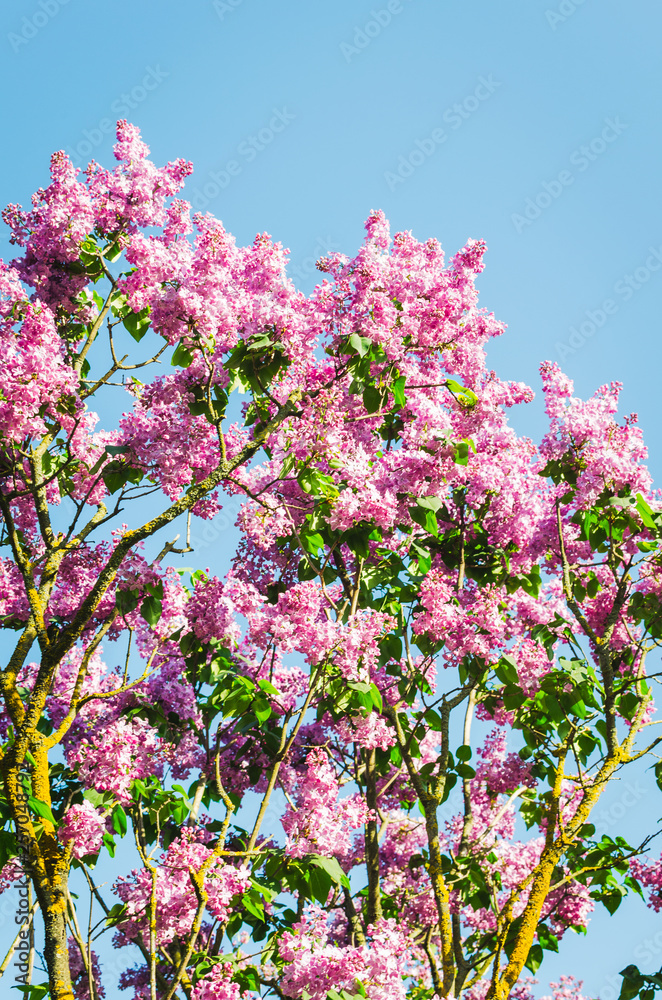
(176, 899)
(405, 838)
(302, 621)
(604, 452)
(318, 821)
(218, 985)
(368, 731)
(116, 754)
(649, 874)
(11, 872)
(83, 827)
(211, 614)
(502, 771)
(567, 988)
(317, 966)
(36, 381)
(61, 218)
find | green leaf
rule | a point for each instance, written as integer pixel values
(433, 720)
(119, 820)
(36, 992)
(426, 518)
(151, 609)
(240, 697)
(465, 396)
(261, 709)
(372, 399)
(612, 900)
(534, 959)
(376, 698)
(332, 867)
(251, 901)
(289, 462)
(398, 390)
(461, 453)
(96, 798)
(360, 344)
(430, 503)
(113, 252)
(636, 983)
(312, 542)
(423, 558)
(357, 540)
(548, 941)
(137, 323)
(109, 844)
(116, 914)
(42, 809)
(646, 514)
(181, 357)
(248, 979)
(465, 770)
(264, 890)
(390, 649)
(117, 474)
(7, 846)
(127, 601)
(313, 481)
(506, 670)
(320, 884)
(113, 477)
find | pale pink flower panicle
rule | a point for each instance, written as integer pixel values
(83, 826)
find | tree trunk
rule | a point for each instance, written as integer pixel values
(56, 952)
(45, 864)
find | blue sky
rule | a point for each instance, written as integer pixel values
(534, 124)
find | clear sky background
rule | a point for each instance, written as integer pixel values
(533, 124)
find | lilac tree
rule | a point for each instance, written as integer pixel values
(430, 628)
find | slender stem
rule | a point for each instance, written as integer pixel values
(466, 782)
(139, 837)
(12, 948)
(85, 955)
(283, 750)
(372, 840)
(434, 968)
(92, 335)
(90, 966)
(31, 940)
